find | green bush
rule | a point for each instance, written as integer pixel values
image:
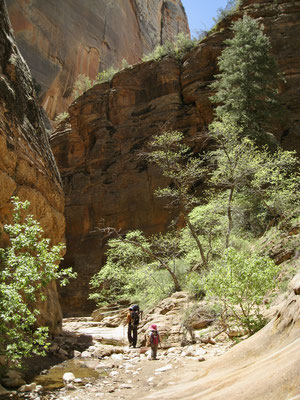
(106, 75)
(230, 8)
(177, 49)
(28, 264)
(60, 117)
(81, 85)
(240, 282)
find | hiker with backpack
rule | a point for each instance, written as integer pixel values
(153, 340)
(133, 320)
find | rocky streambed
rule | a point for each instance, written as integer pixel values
(91, 361)
(91, 358)
(116, 371)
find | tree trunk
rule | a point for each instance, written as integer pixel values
(229, 215)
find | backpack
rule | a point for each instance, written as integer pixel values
(154, 337)
(135, 307)
(135, 315)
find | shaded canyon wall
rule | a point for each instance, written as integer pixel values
(105, 183)
(62, 39)
(27, 166)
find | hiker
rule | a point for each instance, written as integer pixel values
(153, 341)
(133, 319)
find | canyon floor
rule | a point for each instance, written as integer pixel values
(109, 369)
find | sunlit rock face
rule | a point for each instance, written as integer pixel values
(62, 39)
(27, 166)
(105, 183)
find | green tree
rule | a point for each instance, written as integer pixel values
(27, 266)
(252, 177)
(240, 282)
(134, 263)
(184, 171)
(246, 88)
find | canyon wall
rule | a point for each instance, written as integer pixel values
(62, 39)
(105, 182)
(27, 166)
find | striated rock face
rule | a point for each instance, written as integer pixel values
(62, 39)
(105, 183)
(27, 166)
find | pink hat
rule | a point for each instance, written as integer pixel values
(153, 327)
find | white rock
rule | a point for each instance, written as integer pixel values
(68, 377)
(77, 354)
(150, 379)
(70, 386)
(28, 388)
(117, 357)
(165, 368)
(125, 386)
(86, 354)
(200, 352)
(91, 349)
(114, 373)
(77, 380)
(101, 365)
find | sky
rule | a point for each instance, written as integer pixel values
(200, 13)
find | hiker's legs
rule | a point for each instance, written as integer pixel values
(129, 334)
(154, 351)
(134, 335)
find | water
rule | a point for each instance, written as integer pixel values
(53, 379)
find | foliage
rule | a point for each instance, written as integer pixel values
(125, 64)
(81, 85)
(175, 161)
(230, 8)
(60, 117)
(209, 221)
(246, 88)
(166, 49)
(240, 281)
(28, 264)
(137, 264)
(182, 44)
(258, 183)
(106, 75)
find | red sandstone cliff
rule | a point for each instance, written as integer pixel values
(62, 39)
(27, 166)
(96, 152)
